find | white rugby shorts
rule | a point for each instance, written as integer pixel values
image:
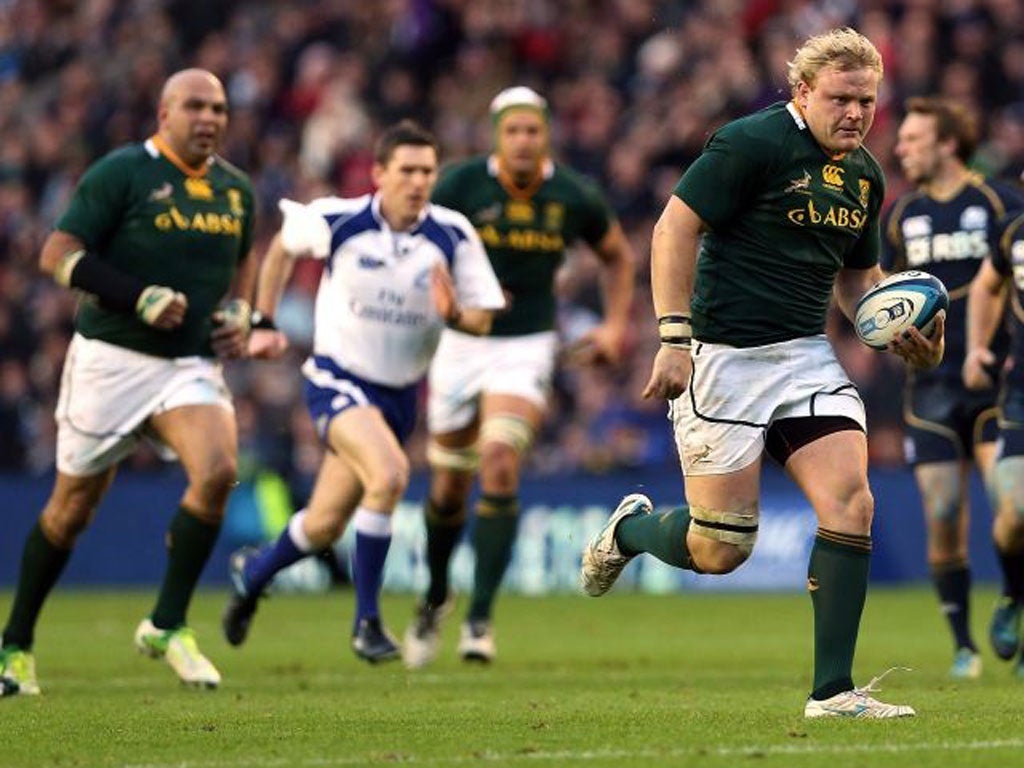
(107, 394)
(736, 393)
(466, 366)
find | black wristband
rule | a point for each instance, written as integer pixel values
(261, 322)
(114, 289)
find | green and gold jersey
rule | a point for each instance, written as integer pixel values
(525, 232)
(141, 213)
(783, 219)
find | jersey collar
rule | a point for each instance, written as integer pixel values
(797, 115)
(968, 177)
(547, 170)
(156, 145)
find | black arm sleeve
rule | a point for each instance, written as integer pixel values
(114, 289)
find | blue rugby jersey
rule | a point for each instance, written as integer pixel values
(949, 238)
(1008, 259)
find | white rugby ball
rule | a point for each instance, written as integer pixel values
(899, 301)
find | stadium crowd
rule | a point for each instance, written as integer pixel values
(635, 87)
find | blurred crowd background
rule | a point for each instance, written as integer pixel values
(635, 88)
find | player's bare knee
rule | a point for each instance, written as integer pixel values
(499, 467)
(63, 523)
(941, 496)
(449, 488)
(214, 481)
(1010, 487)
(387, 484)
(851, 511)
(943, 511)
(718, 558)
(860, 509)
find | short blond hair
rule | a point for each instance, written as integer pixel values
(845, 49)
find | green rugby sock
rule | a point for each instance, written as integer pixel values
(837, 578)
(662, 535)
(41, 565)
(189, 543)
(494, 534)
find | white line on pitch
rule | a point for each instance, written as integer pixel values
(583, 756)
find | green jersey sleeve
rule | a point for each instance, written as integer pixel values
(98, 203)
(719, 183)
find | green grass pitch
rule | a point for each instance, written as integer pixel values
(626, 680)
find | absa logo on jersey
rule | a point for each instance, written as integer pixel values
(835, 216)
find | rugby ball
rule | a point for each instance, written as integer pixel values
(899, 301)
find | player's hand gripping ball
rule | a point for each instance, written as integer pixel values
(899, 301)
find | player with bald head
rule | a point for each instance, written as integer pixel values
(488, 394)
(155, 240)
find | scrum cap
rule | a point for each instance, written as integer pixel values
(517, 97)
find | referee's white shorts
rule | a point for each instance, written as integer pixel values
(736, 393)
(466, 366)
(108, 393)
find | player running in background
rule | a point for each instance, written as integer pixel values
(488, 395)
(783, 207)
(1002, 276)
(398, 268)
(153, 237)
(947, 227)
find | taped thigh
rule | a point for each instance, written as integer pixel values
(736, 527)
(508, 429)
(466, 459)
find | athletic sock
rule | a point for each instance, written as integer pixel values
(953, 584)
(41, 565)
(444, 529)
(1012, 565)
(662, 535)
(837, 578)
(494, 534)
(291, 546)
(189, 543)
(373, 539)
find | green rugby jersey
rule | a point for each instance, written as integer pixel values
(139, 212)
(525, 232)
(783, 219)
